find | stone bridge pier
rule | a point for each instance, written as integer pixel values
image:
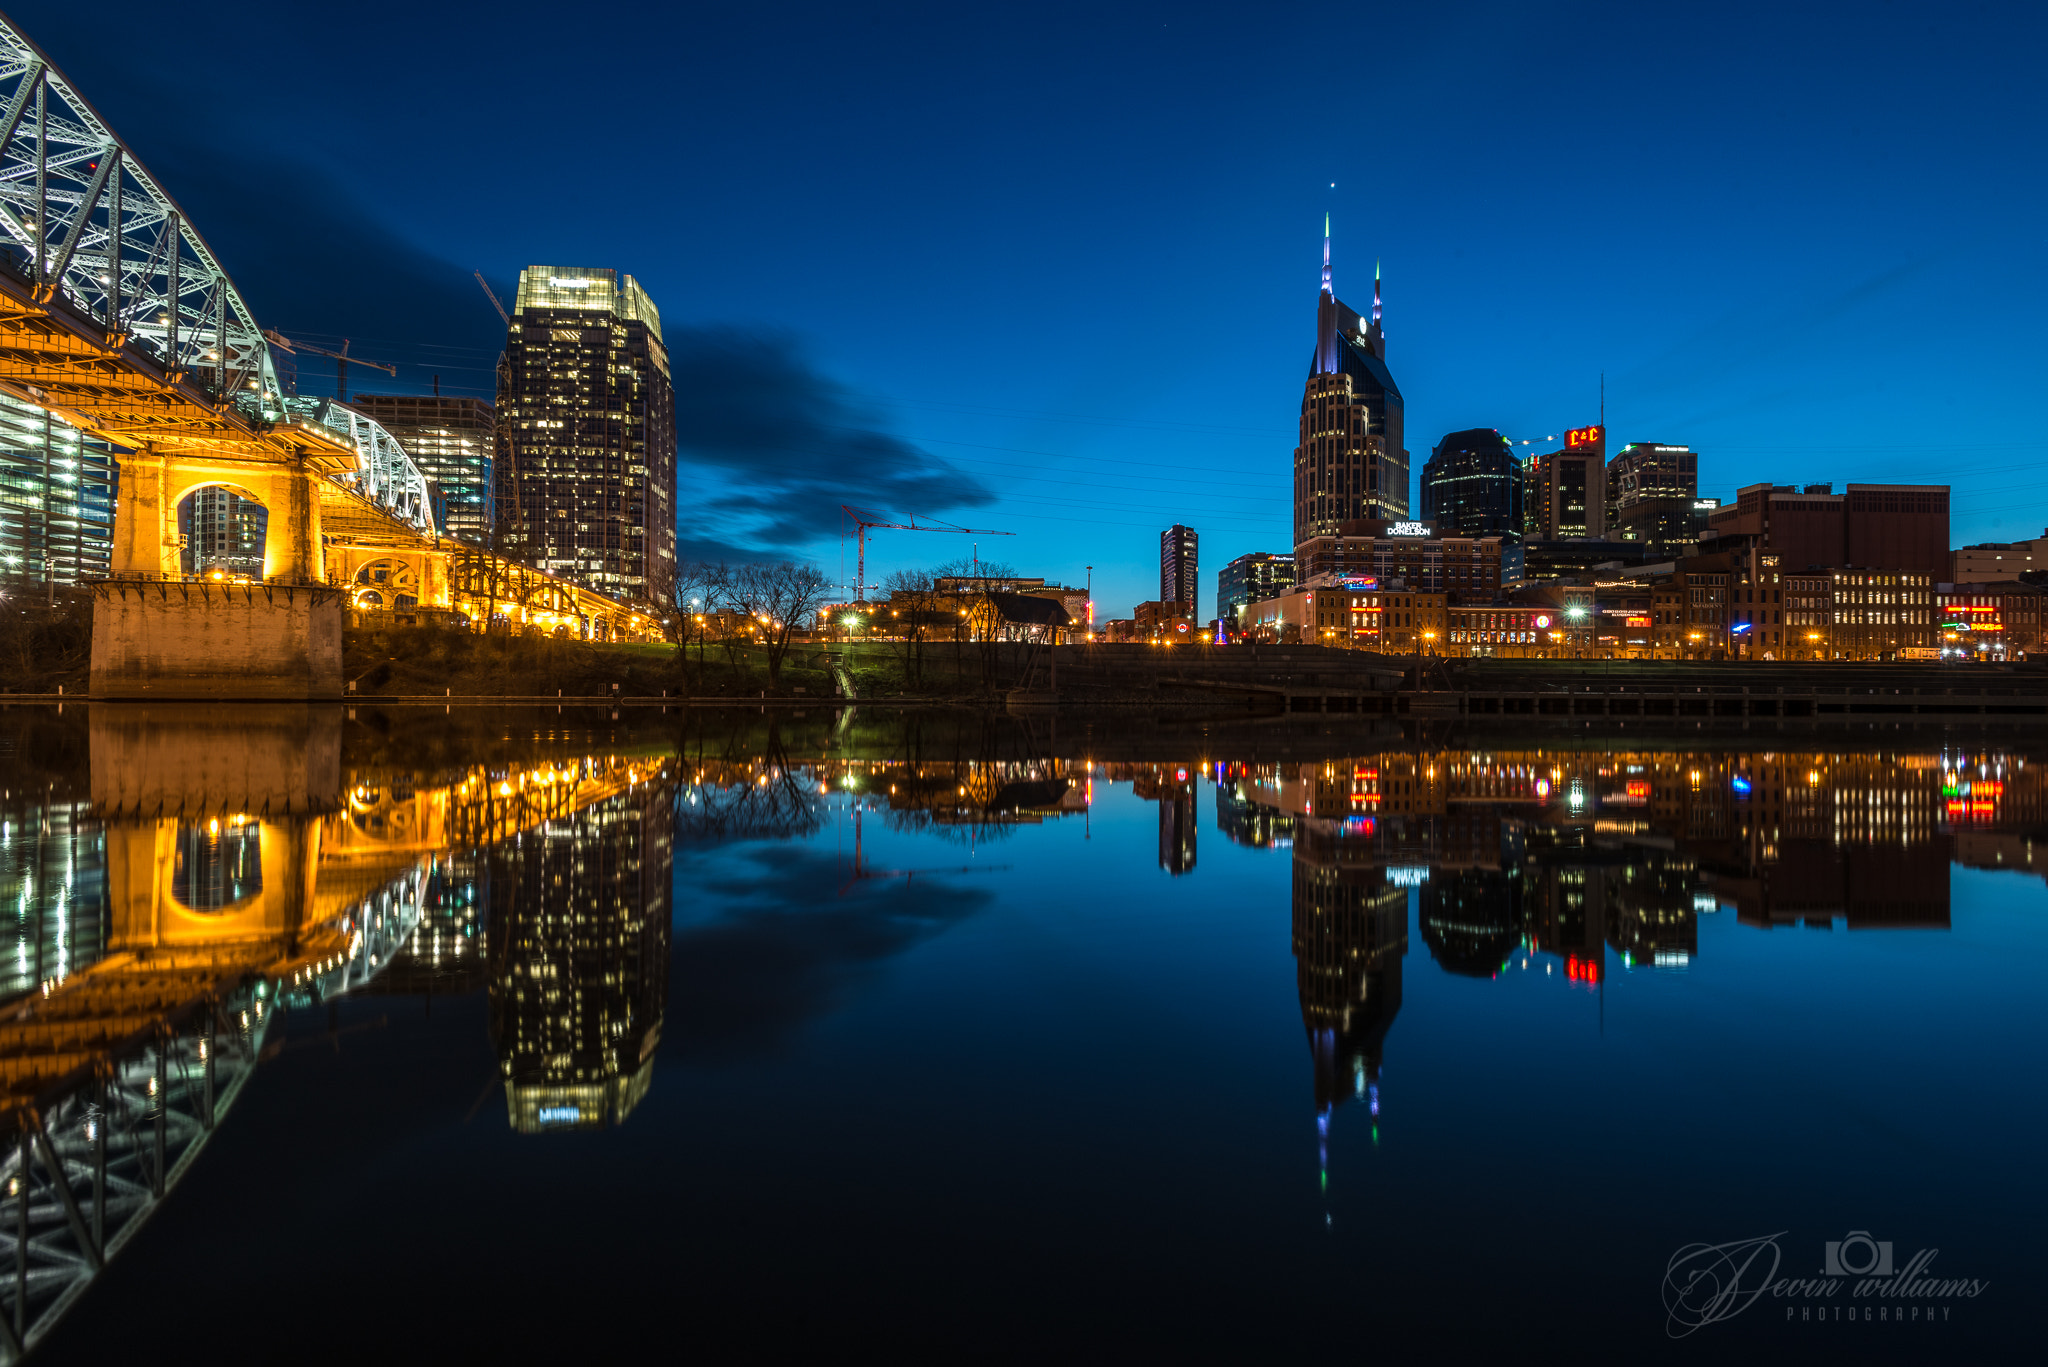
(158, 634)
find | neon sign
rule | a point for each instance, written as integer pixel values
(1543, 621)
(1637, 622)
(1584, 436)
(1408, 529)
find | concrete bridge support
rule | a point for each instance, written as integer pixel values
(156, 634)
(196, 641)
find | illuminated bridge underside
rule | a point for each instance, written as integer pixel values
(117, 318)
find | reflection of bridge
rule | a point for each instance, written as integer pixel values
(242, 876)
(117, 318)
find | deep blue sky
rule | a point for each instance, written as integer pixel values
(1052, 269)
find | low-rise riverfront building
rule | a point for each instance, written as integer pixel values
(1413, 553)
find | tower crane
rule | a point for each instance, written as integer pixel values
(864, 519)
(511, 450)
(492, 295)
(341, 359)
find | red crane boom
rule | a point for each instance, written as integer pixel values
(865, 518)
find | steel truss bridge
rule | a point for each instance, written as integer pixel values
(117, 318)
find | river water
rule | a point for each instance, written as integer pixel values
(950, 1034)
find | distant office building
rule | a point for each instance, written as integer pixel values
(453, 442)
(1995, 560)
(1566, 495)
(1350, 463)
(1473, 485)
(1652, 491)
(1249, 579)
(1902, 527)
(1168, 621)
(1543, 560)
(579, 924)
(585, 467)
(1414, 554)
(56, 499)
(1179, 568)
(223, 532)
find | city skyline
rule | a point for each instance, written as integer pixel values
(1752, 326)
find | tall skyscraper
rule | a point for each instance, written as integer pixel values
(1351, 463)
(452, 441)
(1566, 496)
(56, 499)
(1251, 578)
(1179, 569)
(586, 441)
(1472, 485)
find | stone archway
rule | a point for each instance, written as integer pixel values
(221, 531)
(387, 582)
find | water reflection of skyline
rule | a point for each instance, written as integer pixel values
(541, 881)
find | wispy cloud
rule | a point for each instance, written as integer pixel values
(771, 447)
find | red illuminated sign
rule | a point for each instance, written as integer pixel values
(1584, 436)
(1638, 621)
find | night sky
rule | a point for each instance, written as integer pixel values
(1052, 269)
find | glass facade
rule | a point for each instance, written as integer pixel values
(1652, 493)
(452, 441)
(1473, 485)
(56, 499)
(219, 530)
(1251, 578)
(585, 467)
(1180, 578)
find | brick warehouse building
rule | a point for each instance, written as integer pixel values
(1900, 527)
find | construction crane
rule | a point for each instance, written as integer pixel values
(492, 295)
(865, 518)
(511, 450)
(342, 360)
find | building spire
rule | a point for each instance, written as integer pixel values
(1375, 293)
(1326, 315)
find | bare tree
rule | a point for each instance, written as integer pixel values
(916, 610)
(973, 585)
(692, 601)
(781, 599)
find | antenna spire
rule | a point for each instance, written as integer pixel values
(1326, 255)
(1375, 293)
